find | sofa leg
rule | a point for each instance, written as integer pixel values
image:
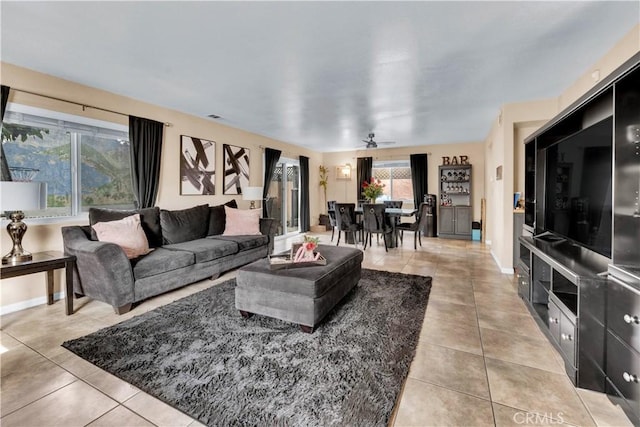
(245, 314)
(306, 329)
(123, 309)
(215, 276)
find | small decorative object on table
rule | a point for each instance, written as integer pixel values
(373, 189)
(306, 251)
(301, 255)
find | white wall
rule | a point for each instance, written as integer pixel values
(503, 148)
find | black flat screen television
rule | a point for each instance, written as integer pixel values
(578, 187)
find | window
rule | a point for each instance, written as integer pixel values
(84, 162)
(396, 175)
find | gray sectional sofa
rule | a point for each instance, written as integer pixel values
(188, 246)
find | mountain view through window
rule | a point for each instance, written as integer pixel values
(83, 166)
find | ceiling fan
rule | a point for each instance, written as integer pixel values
(374, 144)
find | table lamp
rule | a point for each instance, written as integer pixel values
(15, 197)
(252, 194)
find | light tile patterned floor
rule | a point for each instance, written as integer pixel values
(481, 359)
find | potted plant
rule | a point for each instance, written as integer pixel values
(324, 181)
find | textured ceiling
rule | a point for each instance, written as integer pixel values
(322, 74)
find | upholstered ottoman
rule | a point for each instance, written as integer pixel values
(299, 295)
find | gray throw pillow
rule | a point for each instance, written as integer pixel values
(184, 225)
(217, 218)
(149, 218)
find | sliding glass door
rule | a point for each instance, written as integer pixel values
(283, 200)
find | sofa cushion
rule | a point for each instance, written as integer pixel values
(244, 242)
(217, 218)
(184, 225)
(206, 249)
(126, 233)
(160, 261)
(149, 218)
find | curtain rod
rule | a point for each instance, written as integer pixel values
(84, 106)
(393, 157)
(282, 153)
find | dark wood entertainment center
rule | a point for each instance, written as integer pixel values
(579, 264)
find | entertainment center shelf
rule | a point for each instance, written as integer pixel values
(557, 270)
(579, 262)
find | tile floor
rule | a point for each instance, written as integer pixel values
(481, 359)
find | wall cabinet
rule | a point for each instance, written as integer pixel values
(456, 212)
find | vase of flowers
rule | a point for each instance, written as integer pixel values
(306, 251)
(373, 189)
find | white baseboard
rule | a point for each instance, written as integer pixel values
(502, 269)
(487, 242)
(23, 305)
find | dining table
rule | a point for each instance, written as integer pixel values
(393, 213)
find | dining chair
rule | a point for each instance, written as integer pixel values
(331, 210)
(346, 221)
(417, 226)
(395, 204)
(375, 221)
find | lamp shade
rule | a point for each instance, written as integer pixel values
(22, 196)
(251, 193)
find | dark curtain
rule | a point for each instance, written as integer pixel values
(305, 215)
(145, 137)
(364, 167)
(6, 174)
(271, 158)
(418, 177)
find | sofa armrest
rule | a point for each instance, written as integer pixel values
(269, 227)
(103, 271)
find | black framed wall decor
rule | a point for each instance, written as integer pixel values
(197, 166)
(236, 169)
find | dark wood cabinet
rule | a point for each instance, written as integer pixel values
(530, 186)
(623, 306)
(623, 370)
(584, 298)
(524, 288)
(557, 280)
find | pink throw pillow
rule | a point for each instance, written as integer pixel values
(241, 222)
(126, 233)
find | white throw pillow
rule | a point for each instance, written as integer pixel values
(126, 233)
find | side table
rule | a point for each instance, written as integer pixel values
(46, 261)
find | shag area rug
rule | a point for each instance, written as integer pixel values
(200, 356)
